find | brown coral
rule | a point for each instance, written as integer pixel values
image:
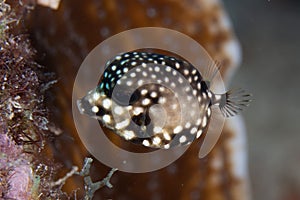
(67, 37)
(24, 124)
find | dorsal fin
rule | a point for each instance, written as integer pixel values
(211, 72)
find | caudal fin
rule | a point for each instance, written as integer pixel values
(233, 102)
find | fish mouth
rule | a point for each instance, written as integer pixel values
(85, 108)
(79, 106)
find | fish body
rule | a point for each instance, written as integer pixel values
(155, 100)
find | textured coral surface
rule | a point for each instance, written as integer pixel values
(24, 125)
(68, 34)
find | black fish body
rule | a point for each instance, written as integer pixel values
(155, 100)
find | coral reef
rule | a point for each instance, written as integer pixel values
(27, 170)
(16, 173)
(24, 120)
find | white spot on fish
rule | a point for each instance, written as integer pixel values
(156, 140)
(167, 136)
(146, 143)
(187, 89)
(209, 94)
(157, 129)
(138, 110)
(95, 109)
(153, 94)
(123, 124)
(144, 91)
(129, 83)
(204, 122)
(177, 130)
(106, 103)
(186, 72)
(140, 82)
(106, 118)
(128, 135)
(199, 86)
(166, 79)
(199, 98)
(198, 122)
(118, 110)
(180, 80)
(138, 69)
(114, 67)
(193, 130)
(187, 125)
(182, 139)
(132, 74)
(199, 133)
(162, 100)
(146, 101)
(161, 89)
(96, 96)
(194, 92)
(208, 112)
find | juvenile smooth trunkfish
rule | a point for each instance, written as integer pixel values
(156, 100)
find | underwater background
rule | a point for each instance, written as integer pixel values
(269, 34)
(257, 155)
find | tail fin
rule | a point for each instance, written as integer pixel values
(233, 102)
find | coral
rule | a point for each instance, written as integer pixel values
(5, 18)
(24, 124)
(21, 89)
(91, 187)
(16, 173)
(25, 128)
